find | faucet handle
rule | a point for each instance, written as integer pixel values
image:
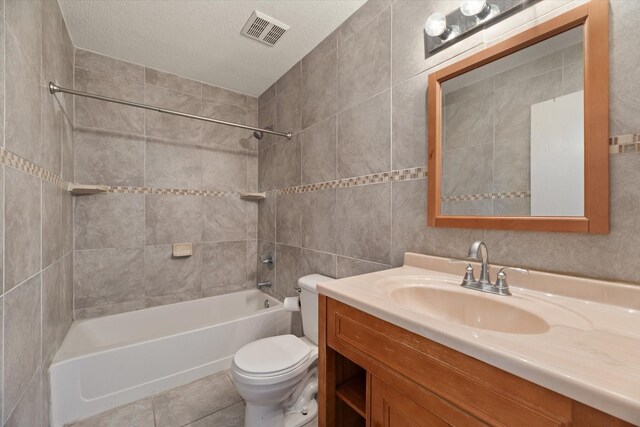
(269, 260)
(501, 281)
(468, 275)
(519, 270)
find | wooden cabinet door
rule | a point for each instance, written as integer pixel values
(391, 408)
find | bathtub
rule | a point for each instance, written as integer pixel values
(113, 360)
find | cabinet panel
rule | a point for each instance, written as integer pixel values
(390, 408)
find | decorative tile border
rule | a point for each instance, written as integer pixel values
(11, 159)
(171, 191)
(629, 143)
(624, 143)
(485, 196)
(375, 178)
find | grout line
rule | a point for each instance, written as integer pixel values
(116, 132)
(144, 201)
(23, 393)
(41, 208)
(153, 411)
(4, 269)
(339, 112)
(337, 116)
(493, 150)
(2, 303)
(212, 413)
(391, 92)
(363, 26)
(363, 260)
(275, 245)
(41, 272)
(72, 177)
(22, 283)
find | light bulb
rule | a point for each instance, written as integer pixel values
(472, 7)
(436, 25)
(482, 10)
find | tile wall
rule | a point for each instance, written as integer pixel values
(357, 105)
(37, 156)
(172, 180)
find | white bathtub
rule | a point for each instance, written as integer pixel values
(113, 360)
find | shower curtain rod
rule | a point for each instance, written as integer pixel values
(54, 88)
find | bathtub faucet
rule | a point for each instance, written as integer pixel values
(269, 261)
(264, 284)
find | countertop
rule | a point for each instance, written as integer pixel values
(591, 353)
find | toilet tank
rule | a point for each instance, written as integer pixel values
(309, 304)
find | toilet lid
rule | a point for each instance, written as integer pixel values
(271, 355)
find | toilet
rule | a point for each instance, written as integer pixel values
(278, 376)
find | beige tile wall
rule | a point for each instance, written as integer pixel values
(123, 240)
(363, 95)
(37, 280)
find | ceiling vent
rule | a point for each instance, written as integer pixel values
(264, 28)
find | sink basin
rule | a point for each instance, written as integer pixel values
(466, 308)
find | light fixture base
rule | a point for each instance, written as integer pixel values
(492, 12)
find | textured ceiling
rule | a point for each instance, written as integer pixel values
(201, 39)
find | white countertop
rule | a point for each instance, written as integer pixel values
(591, 353)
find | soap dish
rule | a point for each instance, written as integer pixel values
(82, 189)
(253, 196)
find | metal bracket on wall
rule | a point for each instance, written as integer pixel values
(82, 189)
(468, 25)
(253, 196)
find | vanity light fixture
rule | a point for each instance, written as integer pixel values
(442, 30)
(482, 10)
(436, 26)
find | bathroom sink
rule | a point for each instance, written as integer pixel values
(467, 308)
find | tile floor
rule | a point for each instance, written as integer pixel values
(209, 402)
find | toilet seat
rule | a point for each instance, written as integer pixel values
(271, 355)
(273, 360)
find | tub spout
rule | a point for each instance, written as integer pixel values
(264, 284)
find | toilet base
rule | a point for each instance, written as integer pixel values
(295, 410)
(274, 416)
(297, 419)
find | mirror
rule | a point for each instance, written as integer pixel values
(513, 146)
(521, 120)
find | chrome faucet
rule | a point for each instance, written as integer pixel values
(269, 260)
(479, 252)
(264, 284)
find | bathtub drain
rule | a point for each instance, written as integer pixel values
(266, 303)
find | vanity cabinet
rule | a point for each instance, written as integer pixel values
(373, 373)
(392, 408)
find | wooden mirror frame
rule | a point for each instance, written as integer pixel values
(595, 18)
